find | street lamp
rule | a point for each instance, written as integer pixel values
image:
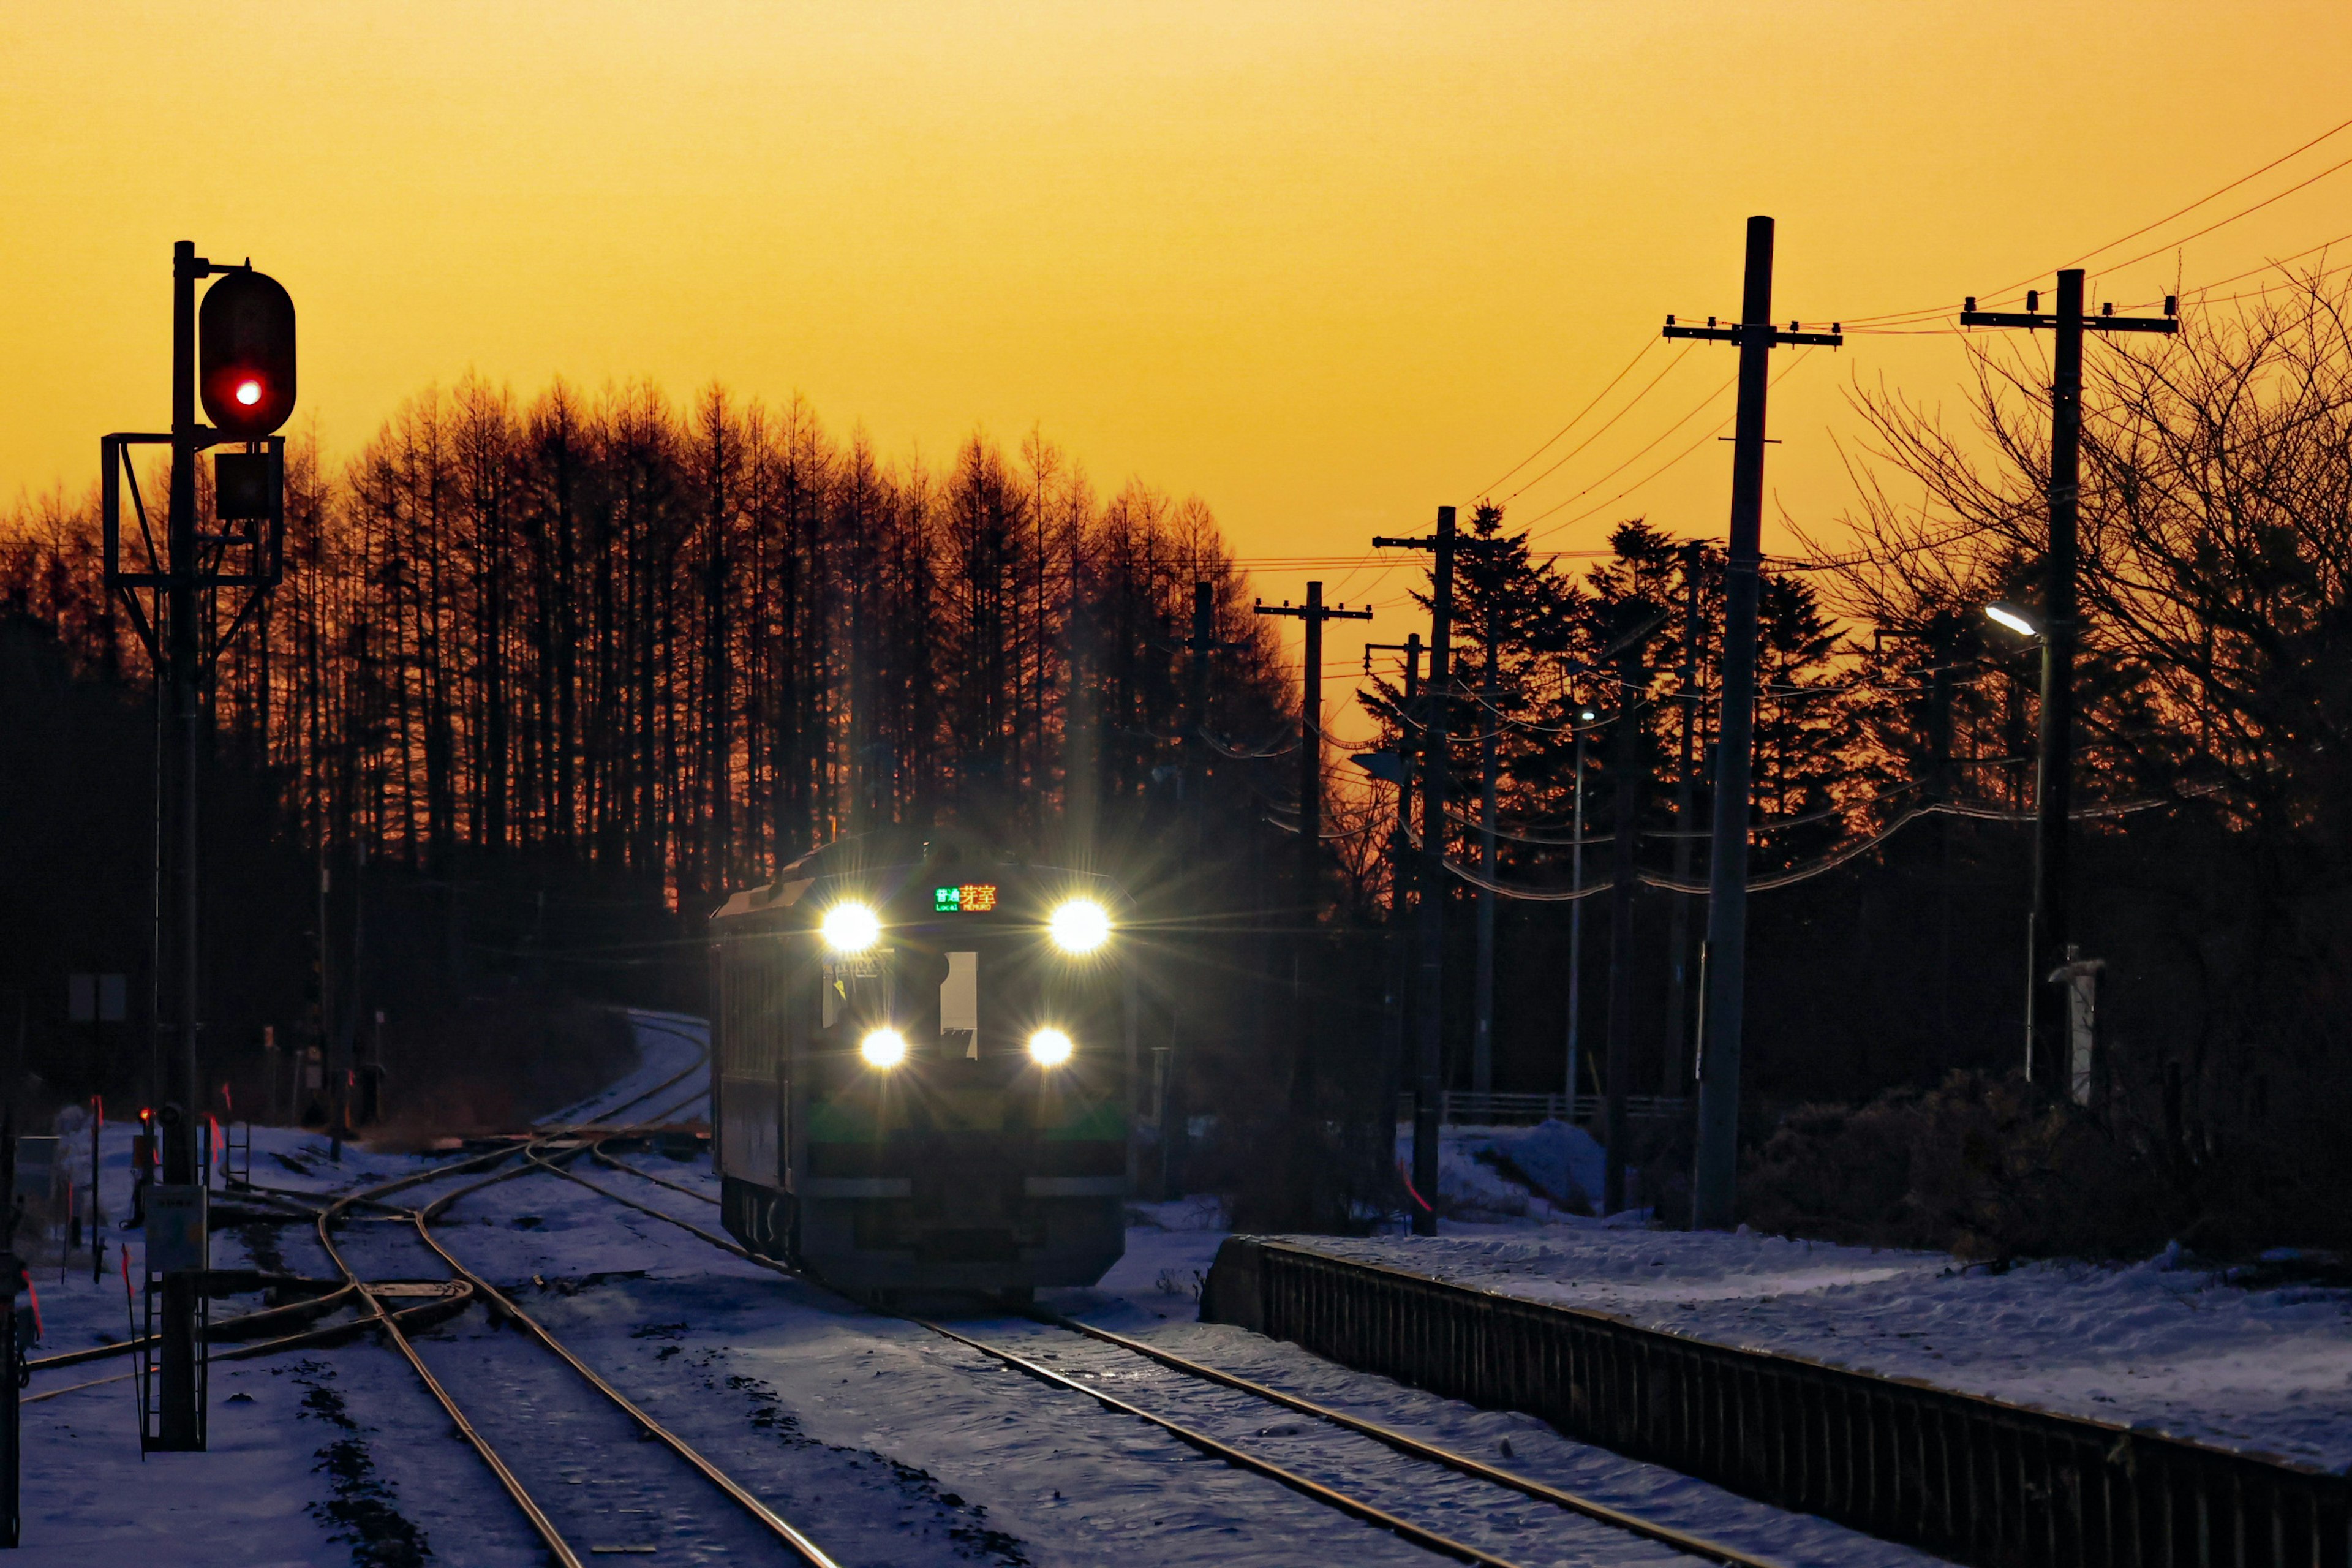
(2003, 613)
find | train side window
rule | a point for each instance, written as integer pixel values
(959, 1005)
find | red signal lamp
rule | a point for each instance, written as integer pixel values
(245, 354)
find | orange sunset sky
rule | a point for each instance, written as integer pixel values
(1325, 265)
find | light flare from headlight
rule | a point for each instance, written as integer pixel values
(883, 1048)
(1080, 925)
(1050, 1048)
(851, 928)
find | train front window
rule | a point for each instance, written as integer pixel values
(960, 1008)
(848, 983)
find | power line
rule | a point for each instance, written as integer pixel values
(1678, 457)
(1647, 345)
(1630, 404)
(1701, 406)
(1920, 314)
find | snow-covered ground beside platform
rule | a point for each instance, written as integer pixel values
(2160, 1345)
(889, 1444)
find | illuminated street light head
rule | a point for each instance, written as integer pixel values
(2003, 613)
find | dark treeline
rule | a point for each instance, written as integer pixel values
(572, 669)
(564, 672)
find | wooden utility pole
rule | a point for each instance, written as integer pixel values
(1428, 1064)
(1310, 737)
(1303, 1089)
(1203, 646)
(1401, 873)
(1670, 1070)
(1482, 999)
(1716, 1165)
(2046, 1041)
(1636, 621)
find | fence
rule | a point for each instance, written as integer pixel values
(1462, 1108)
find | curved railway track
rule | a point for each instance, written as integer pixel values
(382, 1308)
(1352, 1505)
(542, 1520)
(308, 1205)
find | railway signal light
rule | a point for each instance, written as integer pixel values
(245, 354)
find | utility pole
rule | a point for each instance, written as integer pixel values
(1670, 1075)
(1636, 620)
(240, 357)
(1481, 1013)
(1400, 841)
(1940, 633)
(1584, 716)
(1401, 871)
(1716, 1166)
(1429, 987)
(12, 1282)
(1310, 738)
(2046, 1042)
(1303, 1086)
(1203, 647)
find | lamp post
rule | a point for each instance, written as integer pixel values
(2053, 760)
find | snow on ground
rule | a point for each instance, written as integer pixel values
(2161, 1344)
(887, 1443)
(1070, 1482)
(289, 1434)
(1548, 1173)
(892, 1446)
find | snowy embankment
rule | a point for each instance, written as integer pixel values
(2164, 1344)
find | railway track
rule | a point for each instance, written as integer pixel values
(1467, 1482)
(562, 1525)
(1353, 1461)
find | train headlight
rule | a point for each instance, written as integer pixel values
(1080, 925)
(851, 928)
(1050, 1048)
(883, 1048)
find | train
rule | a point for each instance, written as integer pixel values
(923, 1049)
